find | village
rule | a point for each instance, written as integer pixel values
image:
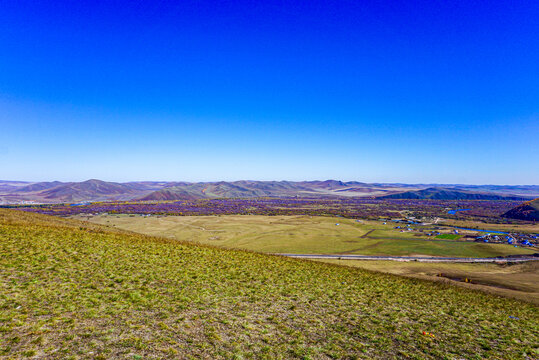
(448, 232)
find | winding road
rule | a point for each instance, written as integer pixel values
(416, 258)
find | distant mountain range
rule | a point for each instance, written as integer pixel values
(38, 187)
(527, 211)
(436, 193)
(14, 192)
(89, 190)
(253, 189)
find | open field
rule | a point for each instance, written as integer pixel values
(301, 235)
(70, 289)
(519, 281)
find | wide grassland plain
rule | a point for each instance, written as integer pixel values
(301, 235)
(70, 289)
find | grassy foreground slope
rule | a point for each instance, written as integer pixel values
(75, 290)
(520, 281)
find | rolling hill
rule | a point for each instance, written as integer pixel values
(8, 186)
(527, 211)
(71, 289)
(172, 193)
(97, 190)
(91, 189)
(437, 193)
(223, 189)
(38, 186)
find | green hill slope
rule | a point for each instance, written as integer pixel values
(71, 289)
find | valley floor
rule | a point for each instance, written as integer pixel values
(301, 234)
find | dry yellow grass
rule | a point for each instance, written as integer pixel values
(300, 235)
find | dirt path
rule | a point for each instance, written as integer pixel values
(367, 233)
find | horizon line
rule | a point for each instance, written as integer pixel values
(292, 181)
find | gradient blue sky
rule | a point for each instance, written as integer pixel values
(376, 91)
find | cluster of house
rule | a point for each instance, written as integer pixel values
(515, 239)
(403, 228)
(511, 239)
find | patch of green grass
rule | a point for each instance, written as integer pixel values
(438, 248)
(75, 290)
(448, 236)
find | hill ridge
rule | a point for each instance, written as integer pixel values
(98, 190)
(526, 211)
(442, 193)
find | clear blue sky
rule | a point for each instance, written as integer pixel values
(376, 91)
